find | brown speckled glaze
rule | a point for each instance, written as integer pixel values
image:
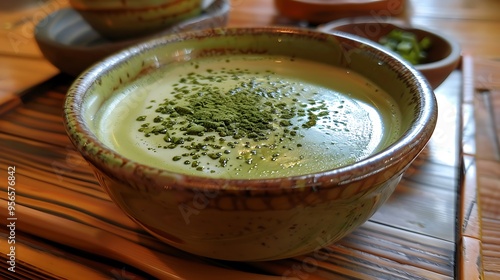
(261, 219)
(72, 45)
(117, 19)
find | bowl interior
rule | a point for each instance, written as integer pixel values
(408, 88)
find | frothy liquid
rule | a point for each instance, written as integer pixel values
(249, 117)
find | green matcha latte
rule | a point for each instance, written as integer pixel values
(243, 117)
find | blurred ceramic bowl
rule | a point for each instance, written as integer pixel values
(322, 11)
(243, 219)
(442, 58)
(116, 19)
(72, 45)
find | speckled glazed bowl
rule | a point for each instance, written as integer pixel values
(251, 219)
(442, 58)
(72, 45)
(116, 19)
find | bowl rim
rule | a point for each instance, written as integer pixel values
(453, 56)
(411, 142)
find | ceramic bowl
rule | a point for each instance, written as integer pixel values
(72, 45)
(116, 19)
(317, 12)
(442, 58)
(251, 219)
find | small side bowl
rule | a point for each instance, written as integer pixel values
(250, 219)
(115, 19)
(443, 56)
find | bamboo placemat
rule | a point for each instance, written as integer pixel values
(66, 222)
(485, 97)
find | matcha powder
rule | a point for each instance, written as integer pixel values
(210, 113)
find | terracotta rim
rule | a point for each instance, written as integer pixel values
(452, 57)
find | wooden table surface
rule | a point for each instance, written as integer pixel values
(443, 221)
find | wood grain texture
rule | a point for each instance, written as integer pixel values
(412, 237)
(487, 126)
(54, 181)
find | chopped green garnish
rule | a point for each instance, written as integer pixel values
(407, 45)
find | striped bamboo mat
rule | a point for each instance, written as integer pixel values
(486, 100)
(67, 227)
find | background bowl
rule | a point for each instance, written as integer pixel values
(322, 11)
(442, 58)
(251, 219)
(116, 19)
(71, 44)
